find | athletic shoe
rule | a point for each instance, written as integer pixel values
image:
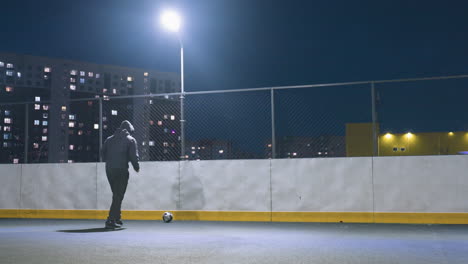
(111, 224)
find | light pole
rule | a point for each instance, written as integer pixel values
(171, 21)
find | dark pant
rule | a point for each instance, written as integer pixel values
(118, 180)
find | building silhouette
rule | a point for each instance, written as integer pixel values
(61, 121)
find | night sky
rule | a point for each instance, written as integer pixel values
(237, 44)
(256, 43)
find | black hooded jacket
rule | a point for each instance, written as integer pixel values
(121, 148)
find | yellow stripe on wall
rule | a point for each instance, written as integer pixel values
(331, 217)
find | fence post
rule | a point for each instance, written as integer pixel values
(26, 132)
(273, 135)
(100, 129)
(375, 143)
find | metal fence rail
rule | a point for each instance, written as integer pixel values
(417, 116)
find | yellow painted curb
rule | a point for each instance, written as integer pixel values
(332, 217)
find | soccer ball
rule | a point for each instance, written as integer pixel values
(167, 217)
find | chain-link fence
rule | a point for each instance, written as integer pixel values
(380, 118)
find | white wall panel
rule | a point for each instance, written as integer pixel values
(316, 185)
(225, 185)
(59, 186)
(421, 184)
(155, 187)
(10, 180)
(104, 193)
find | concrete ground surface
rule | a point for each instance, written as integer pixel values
(85, 241)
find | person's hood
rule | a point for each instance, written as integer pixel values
(125, 129)
(127, 126)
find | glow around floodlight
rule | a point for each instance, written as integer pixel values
(171, 21)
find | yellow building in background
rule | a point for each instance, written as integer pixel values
(359, 142)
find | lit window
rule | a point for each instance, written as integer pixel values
(9, 73)
(37, 122)
(114, 112)
(193, 147)
(72, 80)
(45, 123)
(82, 80)
(173, 131)
(37, 107)
(151, 143)
(18, 74)
(9, 89)
(6, 144)
(165, 144)
(96, 126)
(90, 74)
(104, 90)
(165, 117)
(82, 73)
(15, 161)
(104, 118)
(151, 122)
(64, 108)
(105, 97)
(72, 147)
(129, 79)
(80, 132)
(46, 77)
(71, 124)
(37, 99)
(71, 117)
(114, 91)
(73, 72)
(7, 120)
(45, 115)
(98, 75)
(44, 138)
(9, 66)
(44, 131)
(7, 136)
(145, 74)
(221, 151)
(2, 64)
(45, 107)
(70, 161)
(46, 69)
(35, 145)
(7, 112)
(193, 152)
(72, 87)
(269, 145)
(172, 117)
(7, 128)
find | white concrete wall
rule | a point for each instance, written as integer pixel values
(10, 183)
(421, 184)
(155, 187)
(383, 184)
(322, 185)
(58, 186)
(225, 185)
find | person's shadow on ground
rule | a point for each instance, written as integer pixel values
(91, 230)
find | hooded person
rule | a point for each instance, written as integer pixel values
(118, 150)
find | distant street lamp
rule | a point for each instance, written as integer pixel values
(171, 21)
